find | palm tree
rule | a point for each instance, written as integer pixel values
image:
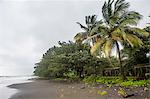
(116, 29)
(91, 22)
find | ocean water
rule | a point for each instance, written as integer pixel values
(6, 92)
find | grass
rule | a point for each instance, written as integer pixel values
(135, 83)
(111, 81)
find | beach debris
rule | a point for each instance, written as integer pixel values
(146, 89)
(128, 89)
(115, 89)
(136, 93)
(102, 93)
(123, 93)
(82, 87)
(100, 87)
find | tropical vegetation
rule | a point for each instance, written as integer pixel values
(92, 57)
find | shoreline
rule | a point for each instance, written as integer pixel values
(5, 81)
(46, 89)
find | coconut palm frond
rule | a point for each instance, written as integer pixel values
(82, 27)
(120, 6)
(93, 19)
(79, 37)
(107, 47)
(96, 47)
(110, 10)
(94, 31)
(118, 35)
(139, 31)
(129, 18)
(133, 40)
(90, 38)
(107, 11)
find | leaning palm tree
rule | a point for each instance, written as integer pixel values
(117, 28)
(91, 22)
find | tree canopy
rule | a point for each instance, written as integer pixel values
(91, 52)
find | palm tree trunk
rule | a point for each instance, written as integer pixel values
(120, 62)
(110, 62)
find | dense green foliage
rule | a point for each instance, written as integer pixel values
(91, 54)
(116, 27)
(69, 60)
(109, 81)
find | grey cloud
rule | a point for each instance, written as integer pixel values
(29, 28)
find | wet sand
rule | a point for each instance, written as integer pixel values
(44, 89)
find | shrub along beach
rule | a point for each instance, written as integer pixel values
(110, 59)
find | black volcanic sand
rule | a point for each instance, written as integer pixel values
(44, 89)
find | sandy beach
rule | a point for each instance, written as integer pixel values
(44, 89)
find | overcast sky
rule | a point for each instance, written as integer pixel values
(29, 27)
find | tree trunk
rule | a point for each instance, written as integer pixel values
(81, 72)
(120, 62)
(95, 73)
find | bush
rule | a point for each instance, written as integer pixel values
(71, 75)
(90, 79)
(136, 83)
(109, 81)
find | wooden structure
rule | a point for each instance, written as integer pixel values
(142, 70)
(138, 70)
(111, 71)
